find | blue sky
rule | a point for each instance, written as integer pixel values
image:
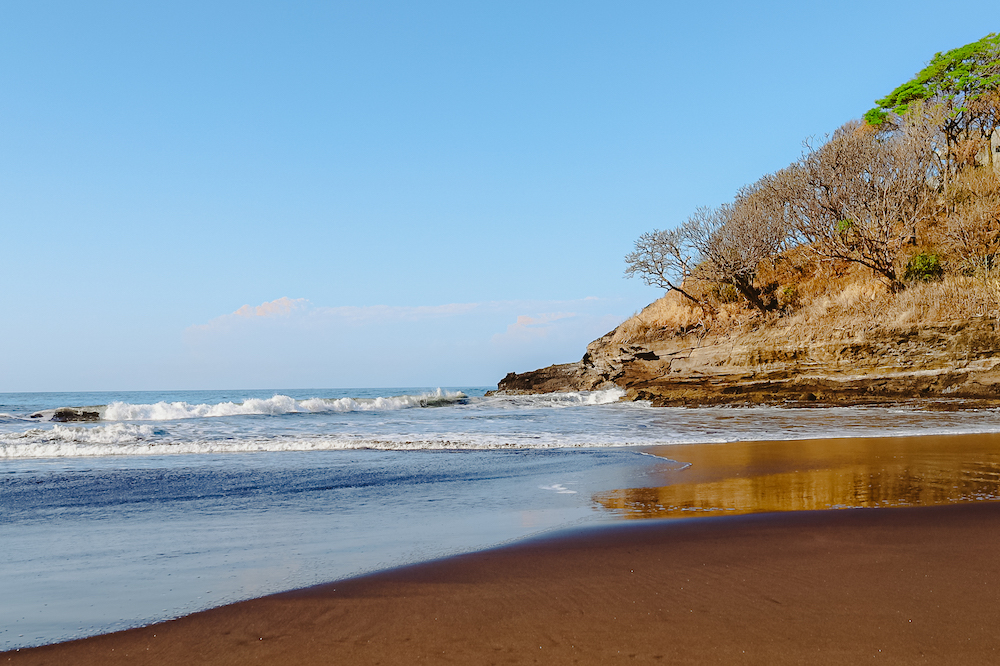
(304, 194)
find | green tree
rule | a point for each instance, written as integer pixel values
(955, 78)
(961, 82)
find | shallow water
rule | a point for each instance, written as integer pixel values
(151, 423)
(91, 545)
(174, 502)
(809, 475)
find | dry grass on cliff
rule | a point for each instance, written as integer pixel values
(846, 303)
(673, 316)
(666, 317)
(864, 307)
(815, 297)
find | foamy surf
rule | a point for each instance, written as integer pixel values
(274, 406)
(278, 405)
(150, 424)
(110, 441)
(562, 399)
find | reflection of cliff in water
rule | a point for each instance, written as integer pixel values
(752, 477)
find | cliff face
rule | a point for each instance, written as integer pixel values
(948, 365)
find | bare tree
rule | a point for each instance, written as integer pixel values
(738, 237)
(860, 195)
(665, 259)
(973, 230)
(722, 246)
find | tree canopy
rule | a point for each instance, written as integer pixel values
(954, 78)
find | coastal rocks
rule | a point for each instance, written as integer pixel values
(954, 365)
(67, 415)
(545, 380)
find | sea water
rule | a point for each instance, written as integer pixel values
(165, 503)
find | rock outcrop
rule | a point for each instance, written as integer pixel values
(954, 365)
(67, 415)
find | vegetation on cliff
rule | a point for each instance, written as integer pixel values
(866, 272)
(888, 222)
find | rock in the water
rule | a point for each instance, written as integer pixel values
(545, 380)
(66, 415)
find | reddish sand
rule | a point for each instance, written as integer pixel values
(903, 586)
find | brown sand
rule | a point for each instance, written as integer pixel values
(909, 585)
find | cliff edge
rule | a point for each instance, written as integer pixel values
(798, 361)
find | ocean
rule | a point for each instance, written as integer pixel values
(159, 504)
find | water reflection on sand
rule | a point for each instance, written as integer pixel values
(752, 477)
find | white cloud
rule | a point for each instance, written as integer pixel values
(311, 316)
(528, 326)
(279, 307)
(373, 314)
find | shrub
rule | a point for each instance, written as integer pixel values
(726, 293)
(923, 267)
(788, 298)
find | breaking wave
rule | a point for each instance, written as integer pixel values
(174, 427)
(275, 406)
(283, 404)
(67, 441)
(112, 440)
(565, 399)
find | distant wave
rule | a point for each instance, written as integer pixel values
(274, 406)
(283, 404)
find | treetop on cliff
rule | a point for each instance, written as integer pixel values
(954, 77)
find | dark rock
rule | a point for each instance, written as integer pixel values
(66, 415)
(545, 380)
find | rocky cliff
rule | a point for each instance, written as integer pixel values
(953, 365)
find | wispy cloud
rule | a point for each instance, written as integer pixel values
(304, 343)
(301, 309)
(388, 313)
(533, 326)
(500, 325)
(279, 307)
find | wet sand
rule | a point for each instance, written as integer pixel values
(888, 585)
(812, 474)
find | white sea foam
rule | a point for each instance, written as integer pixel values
(549, 421)
(66, 441)
(562, 399)
(274, 406)
(133, 440)
(122, 439)
(282, 404)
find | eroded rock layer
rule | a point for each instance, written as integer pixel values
(952, 365)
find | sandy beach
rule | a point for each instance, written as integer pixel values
(910, 584)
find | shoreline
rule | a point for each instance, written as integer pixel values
(824, 586)
(786, 583)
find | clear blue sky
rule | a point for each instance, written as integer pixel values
(402, 193)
